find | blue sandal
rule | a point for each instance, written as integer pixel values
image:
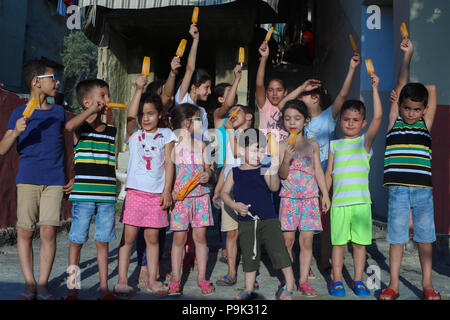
(360, 288)
(284, 290)
(246, 295)
(337, 289)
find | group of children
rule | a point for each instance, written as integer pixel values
(267, 191)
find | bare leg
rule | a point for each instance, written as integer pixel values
(152, 240)
(426, 263)
(231, 244)
(337, 262)
(102, 260)
(305, 240)
(179, 240)
(289, 239)
(74, 260)
(395, 261)
(25, 253)
(201, 251)
(128, 238)
(46, 257)
(359, 261)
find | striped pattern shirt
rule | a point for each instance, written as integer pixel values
(350, 172)
(95, 160)
(407, 159)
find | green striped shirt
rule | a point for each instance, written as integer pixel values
(350, 172)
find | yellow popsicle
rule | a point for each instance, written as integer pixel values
(146, 66)
(353, 43)
(269, 34)
(117, 105)
(195, 15)
(292, 137)
(404, 30)
(369, 66)
(181, 47)
(235, 113)
(273, 150)
(31, 105)
(241, 55)
(188, 187)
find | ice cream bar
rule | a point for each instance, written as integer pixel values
(273, 150)
(31, 105)
(241, 55)
(181, 47)
(292, 137)
(117, 105)
(369, 66)
(146, 66)
(404, 30)
(188, 187)
(235, 113)
(269, 34)
(195, 15)
(353, 43)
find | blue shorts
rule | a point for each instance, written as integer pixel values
(403, 200)
(82, 213)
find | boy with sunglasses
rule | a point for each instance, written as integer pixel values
(41, 180)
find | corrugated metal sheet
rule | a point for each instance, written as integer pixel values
(149, 4)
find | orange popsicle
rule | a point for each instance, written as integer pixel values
(188, 187)
(31, 105)
(292, 137)
(195, 15)
(241, 55)
(269, 34)
(353, 43)
(116, 105)
(404, 30)
(235, 113)
(273, 150)
(181, 47)
(369, 66)
(146, 66)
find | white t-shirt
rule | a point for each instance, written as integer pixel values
(146, 165)
(203, 114)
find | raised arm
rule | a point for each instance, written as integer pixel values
(75, 123)
(260, 89)
(308, 85)
(408, 50)
(133, 108)
(220, 112)
(342, 96)
(190, 67)
(430, 111)
(169, 87)
(374, 126)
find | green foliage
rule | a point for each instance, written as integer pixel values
(80, 62)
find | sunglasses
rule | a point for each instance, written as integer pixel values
(48, 76)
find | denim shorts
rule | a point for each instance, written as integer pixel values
(402, 201)
(82, 213)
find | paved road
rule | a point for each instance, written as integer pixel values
(11, 280)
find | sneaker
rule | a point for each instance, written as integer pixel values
(337, 289)
(360, 288)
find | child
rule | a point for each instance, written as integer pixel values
(258, 223)
(195, 208)
(302, 176)
(348, 169)
(268, 100)
(149, 186)
(224, 97)
(407, 174)
(41, 176)
(321, 127)
(94, 190)
(243, 120)
(196, 84)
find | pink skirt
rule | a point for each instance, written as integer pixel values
(142, 209)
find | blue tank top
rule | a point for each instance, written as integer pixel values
(251, 188)
(222, 136)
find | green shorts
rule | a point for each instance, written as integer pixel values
(268, 233)
(351, 223)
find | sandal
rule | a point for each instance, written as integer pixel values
(126, 293)
(226, 281)
(390, 293)
(337, 289)
(160, 291)
(206, 287)
(108, 296)
(431, 293)
(360, 289)
(27, 296)
(45, 297)
(174, 288)
(286, 292)
(256, 285)
(246, 295)
(307, 290)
